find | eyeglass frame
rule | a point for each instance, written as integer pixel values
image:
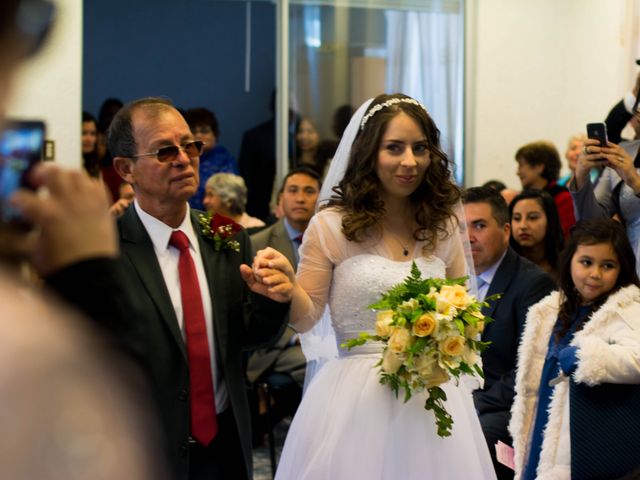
(181, 148)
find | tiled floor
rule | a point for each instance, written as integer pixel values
(261, 461)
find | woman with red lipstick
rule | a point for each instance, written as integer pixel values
(389, 201)
(536, 233)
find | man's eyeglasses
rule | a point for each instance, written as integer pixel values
(168, 154)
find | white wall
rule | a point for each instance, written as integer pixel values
(49, 87)
(539, 70)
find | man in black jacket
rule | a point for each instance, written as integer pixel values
(521, 284)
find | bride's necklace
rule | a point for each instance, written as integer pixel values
(405, 248)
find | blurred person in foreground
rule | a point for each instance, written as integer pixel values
(58, 421)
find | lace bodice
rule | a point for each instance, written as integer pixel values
(359, 281)
(351, 275)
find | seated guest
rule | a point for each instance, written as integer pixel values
(297, 200)
(226, 194)
(536, 233)
(215, 158)
(507, 193)
(499, 269)
(539, 167)
(574, 149)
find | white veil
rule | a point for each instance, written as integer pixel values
(319, 343)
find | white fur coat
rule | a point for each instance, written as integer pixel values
(608, 352)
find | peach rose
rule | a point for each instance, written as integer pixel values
(383, 323)
(455, 295)
(400, 340)
(391, 362)
(452, 346)
(425, 325)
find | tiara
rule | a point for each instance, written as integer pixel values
(376, 108)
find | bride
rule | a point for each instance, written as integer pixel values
(393, 203)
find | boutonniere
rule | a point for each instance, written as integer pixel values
(221, 230)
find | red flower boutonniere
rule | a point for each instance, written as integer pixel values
(221, 230)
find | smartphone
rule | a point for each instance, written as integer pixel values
(598, 131)
(21, 148)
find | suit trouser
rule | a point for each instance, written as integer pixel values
(222, 459)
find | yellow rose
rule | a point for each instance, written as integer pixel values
(383, 323)
(452, 346)
(391, 362)
(471, 331)
(455, 295)
(438, 376)
(425, 325)
(400, 340)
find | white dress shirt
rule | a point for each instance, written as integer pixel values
(168, 257)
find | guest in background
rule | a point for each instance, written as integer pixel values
(127, 196)
(215, 158)
(584, 336)
(536, 233)
(310, 151)
(539, 167)
(507, 193)
(574, 149)
(89, 145)
(226, 194)
(284, 361)
(108, 110)
(298, 199)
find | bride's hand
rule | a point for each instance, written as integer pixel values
(271, 275)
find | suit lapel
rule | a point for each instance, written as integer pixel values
(138, 249)
(501, 280)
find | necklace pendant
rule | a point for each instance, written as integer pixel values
(405, 252)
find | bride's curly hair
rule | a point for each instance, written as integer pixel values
(358, 193)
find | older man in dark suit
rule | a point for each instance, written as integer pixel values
(197, 302)
(499, 270)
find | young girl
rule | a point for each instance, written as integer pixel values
(583, 333)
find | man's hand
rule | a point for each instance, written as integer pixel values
(73, 219)
(271, 275)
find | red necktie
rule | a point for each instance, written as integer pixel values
(204, 424)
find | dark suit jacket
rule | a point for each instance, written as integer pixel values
(276, 236)
(241, 320)
(522, 284)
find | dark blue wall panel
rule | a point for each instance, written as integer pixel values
(192, 51)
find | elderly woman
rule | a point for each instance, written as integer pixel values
(226, 194)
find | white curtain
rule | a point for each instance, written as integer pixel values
(425, 59)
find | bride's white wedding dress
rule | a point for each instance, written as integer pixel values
(348, 425)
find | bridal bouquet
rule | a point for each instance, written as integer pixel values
(430, 329)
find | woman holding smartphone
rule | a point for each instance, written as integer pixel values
(616, 193)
